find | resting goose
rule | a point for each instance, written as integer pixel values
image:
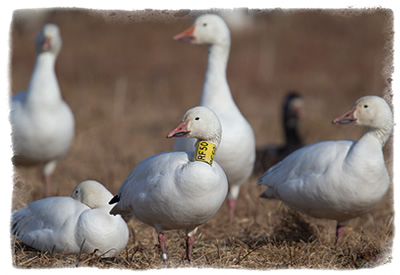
(236, 154)
(42, 123)
(72, 225)
(178, 190)
(271, 154)
(337, 180)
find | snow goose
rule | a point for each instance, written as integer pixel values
(337, 180)
(178, 190)
(72, 225)
(236, 153)
(271, 154)
(42, 123)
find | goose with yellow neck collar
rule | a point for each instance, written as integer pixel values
(238, 138)
(174, 190)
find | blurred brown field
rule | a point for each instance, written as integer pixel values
(128, 84)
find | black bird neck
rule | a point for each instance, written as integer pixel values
(292, 137)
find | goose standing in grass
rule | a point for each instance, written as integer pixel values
(236, 153)
(42, 123)
(72, 225)
(337, 180)
(270, 155)
(178, 190)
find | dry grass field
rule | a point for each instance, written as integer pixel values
(128, 84)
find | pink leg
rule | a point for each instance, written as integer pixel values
(48, 169)
(161, 239)
(189, 246)
(339, 232)
(231, 209)
(47, 184)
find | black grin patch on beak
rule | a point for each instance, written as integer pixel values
(345, 121)
(181, 134)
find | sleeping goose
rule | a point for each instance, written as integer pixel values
(178, 190)
(72, 225)
(236, 153)
(42, 123)
(337, 180)
(292, 109)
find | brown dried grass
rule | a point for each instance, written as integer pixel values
(128, 84)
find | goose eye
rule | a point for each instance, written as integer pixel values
(204, 24)
(365, 106)
(197, 118)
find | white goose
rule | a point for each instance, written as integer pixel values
(337, 180)
(72, 225)
(178, 190)
(42, 123)
(236, 153)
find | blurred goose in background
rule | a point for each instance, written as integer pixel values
(72, 225)
(236, 153)
(42, 123)
(337, 180)
(292, 110)
(238, 19)
(178, 190)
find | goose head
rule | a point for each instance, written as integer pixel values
(293, 108)
(293, 105)
(49, 39)
(206, 29)
(201, 123)
(370, 111)
(92, 193)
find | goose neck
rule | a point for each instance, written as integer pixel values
(370, 144)
(292, 137)
(43, 85)
(382, 134)
(216, 89)
(217, 58)
(205, 151)
(45, 60)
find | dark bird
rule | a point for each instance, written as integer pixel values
(292, 110)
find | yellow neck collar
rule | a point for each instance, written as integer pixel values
(205, 152)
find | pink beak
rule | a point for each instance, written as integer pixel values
(180, 131)
(187, 35)
(46, 43)
(347, 118)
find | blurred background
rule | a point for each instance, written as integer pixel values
(128, 82)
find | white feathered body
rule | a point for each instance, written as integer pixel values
(65, 225)
(171, 191)
(42, 123)
(336, 180)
